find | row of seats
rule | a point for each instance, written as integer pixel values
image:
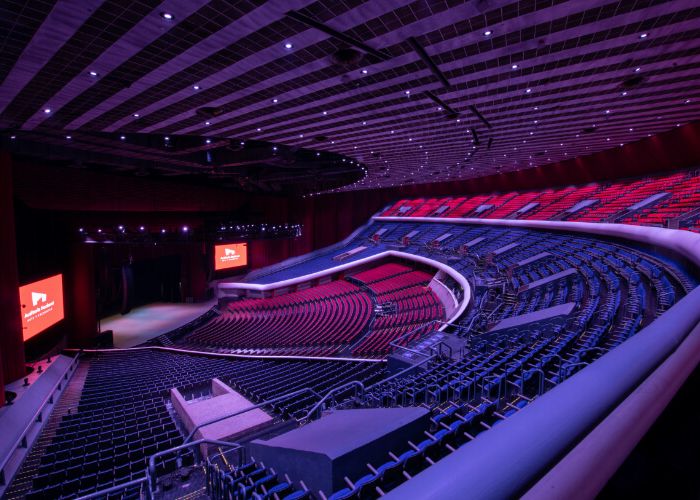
(627, 201)
(122, 417)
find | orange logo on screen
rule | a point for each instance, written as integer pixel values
(41, 305)
(230, 256)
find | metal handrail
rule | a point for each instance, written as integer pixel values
(114, 489)
(21, 441)
(151, 471)
(249, 408)
(314, 409)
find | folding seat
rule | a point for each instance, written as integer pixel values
(70, 486)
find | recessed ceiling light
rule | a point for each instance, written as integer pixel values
(325, 113)
(47, 110)
(364, 123)
(258, 129)
(94, 74)
(407, 92)
(207, 123)
(167, 16)
(69, 137)
(274, 148)
(644, 35)
(624, 93)
(527, 91)
(136, 115)
(607, 111)
(122, 137)
(637, 70)
(196, 87)
(488, 33)
(288, 45)
(13, 137)
(274, 101)
(208, 141)
(514, 66)
(364, 71)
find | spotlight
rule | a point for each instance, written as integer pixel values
(488, 33)
(167, 16)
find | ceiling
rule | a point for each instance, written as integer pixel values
(417, 91)
(250, 166)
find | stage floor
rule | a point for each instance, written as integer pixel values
(146, 322)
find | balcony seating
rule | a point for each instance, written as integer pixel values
(612, 201)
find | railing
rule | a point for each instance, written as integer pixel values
(115, 489)
(359, 390)
(249, 408)
(151, 472)
(37, 418)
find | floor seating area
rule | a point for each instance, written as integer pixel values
(676, 205)
(122, 417)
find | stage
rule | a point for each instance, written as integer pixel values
(146, 322)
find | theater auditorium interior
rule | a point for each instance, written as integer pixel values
(313, 249)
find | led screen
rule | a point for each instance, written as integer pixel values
(41, 304)
(230, 256)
